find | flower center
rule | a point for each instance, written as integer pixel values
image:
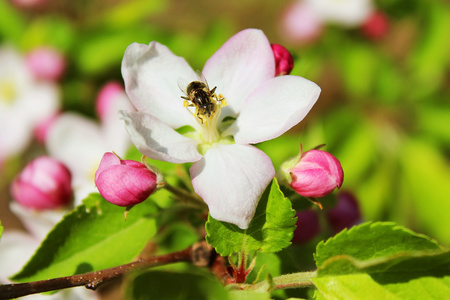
(7, 91)
(207, 107)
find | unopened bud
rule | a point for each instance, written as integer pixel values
(345, 214)
(106, 98)
(44, 183)
(376, 26)
(308, 226)
(283, 60)
(124, 182)
(46, 63)
(315, 174)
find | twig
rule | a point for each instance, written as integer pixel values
(196, 254)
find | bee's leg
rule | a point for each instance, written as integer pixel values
(184, 97)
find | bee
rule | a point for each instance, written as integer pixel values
(204, 99)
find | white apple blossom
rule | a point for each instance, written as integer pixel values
(24, 102)
(251, 106)
(342, 12)
(80, 142)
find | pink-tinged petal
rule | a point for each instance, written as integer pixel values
(231, 179)
(239, 66)
(275, 107)
(151, 74)
(157, 140)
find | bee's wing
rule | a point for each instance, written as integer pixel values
(182, 84)
(202, 78)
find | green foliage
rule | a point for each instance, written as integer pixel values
(92, 237)
(427, 175)
(12, 23)
(164, 285)
(270, 230)
(388, 260)
(1, 229)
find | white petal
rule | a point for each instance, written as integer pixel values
(79, 143)
(231, 179)
(16, 247)
(239, 66)
(274, 107)
(38, 223)
(344, 12)
(157, 140)
(151, 74)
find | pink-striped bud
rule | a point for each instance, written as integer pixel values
(283, 60)
(44, 183)
(124, 182)
(316, 174)
(46, 63)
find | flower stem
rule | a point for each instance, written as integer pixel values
(184, 195)
(196, 254)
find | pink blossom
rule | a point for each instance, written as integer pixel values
(107, 97)
(283, 60)
(300, 23)
(124, 182)
(46, 63)
(43, 184)
(316, 174)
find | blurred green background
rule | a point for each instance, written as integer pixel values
(384, 111)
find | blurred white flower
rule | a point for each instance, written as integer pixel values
(342, 12)
(80, 142)
(25, 102)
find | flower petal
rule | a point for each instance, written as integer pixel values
(239, 66)
(231, 179)
(157, 140)
(151, 74)
(273, 108)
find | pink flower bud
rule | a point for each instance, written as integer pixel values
(31, 4)
(308, 226)
(283, 60)
(106, 98)
(42, 129)
(44, 183)
(376, 26)
(346, 212)
(316, 174)
(46, 63)
(124, 182)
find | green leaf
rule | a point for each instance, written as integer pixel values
(12, 23)
(427, 175)
(94, 236)
(384, 238)
(388, 260)
(270, 230)
(1, 229)
(165, 285)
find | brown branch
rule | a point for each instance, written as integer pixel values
(196, 254)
